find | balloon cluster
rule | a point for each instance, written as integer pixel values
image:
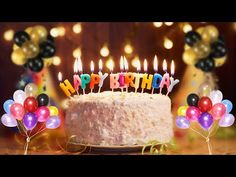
(205, 110)
(32, 48)
(28, 109)
(204, 48)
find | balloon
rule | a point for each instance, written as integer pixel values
(18, 57)
(21, 37)
(39, 33)
(218, 50)
(7, 105)
(190, 57)
(204, 89)
(205, 104)
(28, 30)
(228, 105)
(48, 61)
(205, 120)
(43, 99)
(202, 49)
(220, 61)
(206, 64)
(53, 110)
(30, 49)
(227, 120)
(193, 113)
(42, 113)
(192, 37)
(182, 110)
(8, 120)
(30, 104)
(30, 120)
(212, 32)
(35, 64)
(31, 89)
(218, 110)
(17, 111)
(15, 47)
(50, 38)
(182, 122)
(53, 123)
(47, 49)
(193, 99)
(19, 96)
(24, 80)
(216, 96)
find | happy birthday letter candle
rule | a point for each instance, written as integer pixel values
(126, 65)
(95, 78)
(121, 74)
(147, 80)
(102, 76)
(157, 77)
(66, 86)
(138, 76)
(173, 81)
(114, 78)
(76, 78)
(166, 78)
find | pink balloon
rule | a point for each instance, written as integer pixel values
(17, 111)
(42, 113)
(218, 110)
(193, 113)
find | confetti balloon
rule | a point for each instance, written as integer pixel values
(216, 96)
(19, 96)
(7, 105)
(53, 122)
(227, 120)
(30, 104)
(218, 110)
(53, 110)
(205, 120)
(30, 121)
(193, 113)
(31, 89)
(17, 111)
(8, 120)
(205, 104)
(182, 122)
(228, 105)
(42, 113)
(182, 110)
(204, 89)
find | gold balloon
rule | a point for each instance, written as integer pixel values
(200, 30)
(15, 47)
(212, 32)
(38, 34)
(182, 110)
(28, 30)
(18, 57)
(204, 89)
(220, 61)
(186, 47)
(189, 57)
(202, 49)
(53, 110)
(30, 49)
(47, 61)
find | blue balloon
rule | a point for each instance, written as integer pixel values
(7, 105)
(228, 105)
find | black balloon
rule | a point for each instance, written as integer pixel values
(50, 38)
(192, 37)
(47, 49)
(218, 49)
(206, 64)
(35, 64)
(221, 40)
(43, 99)
(21, 37)
(193, 99)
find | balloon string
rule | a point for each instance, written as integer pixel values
(198, 132)
(37, 133)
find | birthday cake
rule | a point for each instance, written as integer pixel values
(119, 119)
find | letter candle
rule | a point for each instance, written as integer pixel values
(102, 77)
(76, 78)
(126, 69)
(121, 74)
(95, 78)
(66, 86)
(155, 68)
(137, 76)
(173, 81)
(147, 80)
(80, 68)
(166, 78)
(114, 78)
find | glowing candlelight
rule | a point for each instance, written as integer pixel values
(80, 67)
(126, 64)
(100, 65)
(66, 86)
(164, 65)
(137, 75)
(145, 68)
(92, 66)
(114, 83)
(172, 68)
(166, 77)
(76, 78)
(110, 65)
(155, 68)
(94, 77)
(121, 74)
(173, 81)
(121, 64)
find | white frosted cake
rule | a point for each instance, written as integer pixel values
(117, 119)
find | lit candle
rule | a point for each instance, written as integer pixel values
(173, 81)
(147, 80)
(95, 78)
(166, 78)
(157, 77)
(76, 78)
(121, 74)
(66, 86)
(85, 78)
(126, 69)
(114, 78)
(137, 76)
(102, 76)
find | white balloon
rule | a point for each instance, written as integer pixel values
(31, 89)
(19, 96)
(216, 96)
(8, 120)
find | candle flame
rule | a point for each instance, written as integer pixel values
(76, 66)
(60, 76)
(126, 64)
(79, 62)
(172, 68)
(121, 63)
(92, 66)
(164, 65)
(138, 66)
(155, 64)
(145, 65)
(100, 65)
(110, 65)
